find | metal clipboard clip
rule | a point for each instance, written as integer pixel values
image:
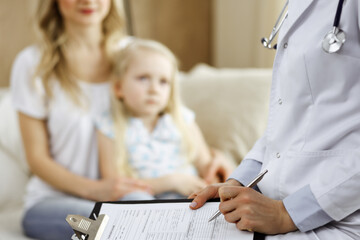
(86, 228)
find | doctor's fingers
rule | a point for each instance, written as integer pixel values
(230, 192)
(203, 195)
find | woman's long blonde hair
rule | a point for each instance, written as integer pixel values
(50, 24)
(120, 115)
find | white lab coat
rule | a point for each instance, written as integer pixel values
(313, 133)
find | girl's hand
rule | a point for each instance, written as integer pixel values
(219, 169)
(252, 211)
(113, 189)
(185, 184)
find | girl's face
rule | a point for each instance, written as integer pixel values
(146, 85)
(84, 12)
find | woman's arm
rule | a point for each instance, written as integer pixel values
(35, 137)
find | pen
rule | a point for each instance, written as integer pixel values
(250, 185)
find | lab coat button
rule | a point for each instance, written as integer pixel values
(280, 101)
(278, 155)
(285, 45)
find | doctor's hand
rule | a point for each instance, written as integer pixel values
(252, 211)
(211, 191)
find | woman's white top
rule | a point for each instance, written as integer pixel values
(72, 139)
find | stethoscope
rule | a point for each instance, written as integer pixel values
(332, 41)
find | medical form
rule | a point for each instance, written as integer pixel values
(164, 221)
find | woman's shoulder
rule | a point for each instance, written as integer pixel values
(30, 52)
(30, 55)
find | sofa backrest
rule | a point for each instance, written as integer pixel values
(231, 106)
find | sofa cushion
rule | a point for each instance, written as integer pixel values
(14, 170)
(231, 106)
(10, 138)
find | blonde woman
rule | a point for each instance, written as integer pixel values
(58, 87)
(149, 134)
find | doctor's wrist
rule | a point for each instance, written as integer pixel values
(233, 182)
(286, 223)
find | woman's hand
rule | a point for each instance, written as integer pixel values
(219, 169)
(252, 211)
(113, 189)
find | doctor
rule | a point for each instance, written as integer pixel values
(311, 147)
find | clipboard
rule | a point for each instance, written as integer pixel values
(92, 228)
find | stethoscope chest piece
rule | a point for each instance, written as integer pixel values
(333, 40)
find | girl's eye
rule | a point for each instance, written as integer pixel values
(143, 78)
(164, 81)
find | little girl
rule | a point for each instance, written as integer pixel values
(151, 134)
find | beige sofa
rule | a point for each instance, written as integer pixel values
(231, 109)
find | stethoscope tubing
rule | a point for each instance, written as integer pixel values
(338, 13)
(336, 33)
(278, 24)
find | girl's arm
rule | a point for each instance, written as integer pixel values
(203, 154)
(108, 168)
(106, 156)
(184, 184)
(212, 164)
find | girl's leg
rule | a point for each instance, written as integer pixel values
(46, 220)
(138, 195)
(170, 195)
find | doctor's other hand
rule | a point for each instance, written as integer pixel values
(211, 191)
(112, 189)
(252, 211)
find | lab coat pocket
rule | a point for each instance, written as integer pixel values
(340, 80)
(320, 169)
(335, 118)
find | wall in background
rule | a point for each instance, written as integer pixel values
(183, 25)
(238, 27)
(16, 32)
(222, 33)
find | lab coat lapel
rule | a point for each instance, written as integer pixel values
(298, 7)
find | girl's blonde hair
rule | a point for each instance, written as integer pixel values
(122, 61)
(50, 24)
